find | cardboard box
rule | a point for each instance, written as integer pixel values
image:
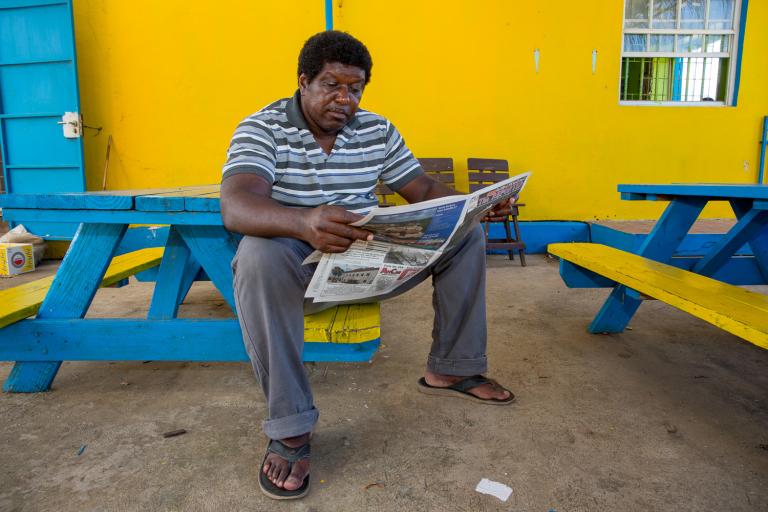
(15, 259)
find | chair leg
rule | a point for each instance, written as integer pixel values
(517, 238)
(511, 250)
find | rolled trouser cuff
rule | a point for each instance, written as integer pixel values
(291, 426)
(458, 367)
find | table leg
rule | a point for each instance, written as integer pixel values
(177, 273)
(759, 243)
(750, 223)
(214, 248)
(69, 296)
(659, 245)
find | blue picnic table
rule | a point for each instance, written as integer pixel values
(686, 201)
(197, 243)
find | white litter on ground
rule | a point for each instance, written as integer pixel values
(496, 489)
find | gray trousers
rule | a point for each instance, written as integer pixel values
(270, 282)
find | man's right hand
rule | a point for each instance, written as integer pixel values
(327, 228)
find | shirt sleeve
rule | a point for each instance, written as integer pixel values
(400, 166)
(252, 151)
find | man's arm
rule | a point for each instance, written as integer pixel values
(247, 208)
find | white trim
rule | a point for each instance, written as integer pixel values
(673, 103)
(682, 31)
(692, 55)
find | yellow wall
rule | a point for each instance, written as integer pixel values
(170, 82)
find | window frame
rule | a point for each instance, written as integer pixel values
(733, 55)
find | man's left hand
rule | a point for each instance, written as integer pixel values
(500, 211)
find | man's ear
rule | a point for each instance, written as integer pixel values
(303, 83)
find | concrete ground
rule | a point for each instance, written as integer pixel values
(671, 415)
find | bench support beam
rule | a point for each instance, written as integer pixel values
(660, 245)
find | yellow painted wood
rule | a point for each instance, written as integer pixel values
(355, 323)
(24, 300)
(736, 310)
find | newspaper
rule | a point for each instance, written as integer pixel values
(406, 240)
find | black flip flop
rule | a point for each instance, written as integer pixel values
(461, 389)
(292, 455)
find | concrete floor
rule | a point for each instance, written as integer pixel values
(671, 415)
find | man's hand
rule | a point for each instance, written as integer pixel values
(500, 211)
(327, 229)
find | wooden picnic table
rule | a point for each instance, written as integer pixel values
(196, 240)
(686, 201)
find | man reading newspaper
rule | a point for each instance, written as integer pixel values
(299, 173)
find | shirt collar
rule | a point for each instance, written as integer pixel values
(296, 116)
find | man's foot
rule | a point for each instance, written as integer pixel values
(477, 387)
(283, 473)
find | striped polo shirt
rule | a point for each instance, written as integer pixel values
(276, 144)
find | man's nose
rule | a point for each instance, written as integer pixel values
(343, 96)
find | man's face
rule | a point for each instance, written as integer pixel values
(331, 99)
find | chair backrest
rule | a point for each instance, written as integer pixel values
(486, 171)
(386, 195)
(441, 169)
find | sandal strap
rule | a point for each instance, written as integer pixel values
(287, 453)
(472, 382)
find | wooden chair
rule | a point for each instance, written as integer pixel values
(487, 171)
(386, 195)
(441, 169)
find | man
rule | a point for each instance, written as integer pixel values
(298, 173)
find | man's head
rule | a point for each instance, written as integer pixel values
(334, 69)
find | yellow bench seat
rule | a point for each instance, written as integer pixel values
(741, 312)
(24, 300)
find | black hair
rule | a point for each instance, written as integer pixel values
(333, 46)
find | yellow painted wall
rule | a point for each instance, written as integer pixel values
(170, 80)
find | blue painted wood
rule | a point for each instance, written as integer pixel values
(759, 243)
(694, 244)
(763, 145)
(38, 77)
(214, 248)
(171, 278)
(712, 191)
(747, 227)
(61, 201)
(112, 216)
(660, 245)
(575, 276)
(138, 340)
(70, 295)
(203, 203)
(172, 201)
(740, 50)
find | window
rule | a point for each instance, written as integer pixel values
(681, 51)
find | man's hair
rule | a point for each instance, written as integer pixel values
(333, 46)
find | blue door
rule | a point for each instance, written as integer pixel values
(40, 129)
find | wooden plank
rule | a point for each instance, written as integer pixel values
(99, 200)
(741, 312)
(714, 191)
(173, 278)
(436, 164)
(353, 323)
(158, 340)
(114, 216)
(489, 164)
(172, 201)
(204, 203)
(487, 177)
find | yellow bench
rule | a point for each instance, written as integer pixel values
(733, 309)
(24, 300)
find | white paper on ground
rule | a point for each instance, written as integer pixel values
(496, 489)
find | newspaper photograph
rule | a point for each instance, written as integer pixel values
(406, 240)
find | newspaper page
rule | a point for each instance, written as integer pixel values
(406, 240)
